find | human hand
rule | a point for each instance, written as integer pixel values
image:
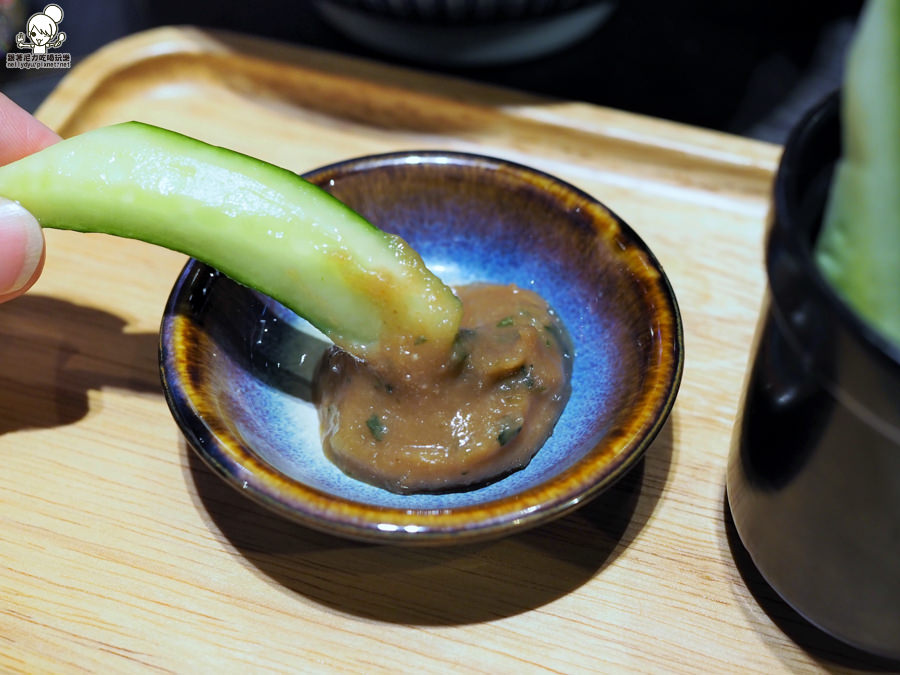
(21, 238)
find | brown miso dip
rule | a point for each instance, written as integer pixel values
(460, 421)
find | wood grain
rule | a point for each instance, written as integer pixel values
(121, 552)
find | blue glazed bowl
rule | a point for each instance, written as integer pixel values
(236, 365)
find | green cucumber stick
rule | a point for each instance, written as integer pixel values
(858, 249)
(262, 225)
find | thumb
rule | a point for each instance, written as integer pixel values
(21, 250)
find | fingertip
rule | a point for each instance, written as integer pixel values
(21, 250)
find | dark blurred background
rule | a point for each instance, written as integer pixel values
(749, 67)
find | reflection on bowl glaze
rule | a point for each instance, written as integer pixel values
(236, 364)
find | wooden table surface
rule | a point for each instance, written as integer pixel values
(120, 551)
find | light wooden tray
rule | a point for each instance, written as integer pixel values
(119, 550)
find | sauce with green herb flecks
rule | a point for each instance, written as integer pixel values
(464, 420)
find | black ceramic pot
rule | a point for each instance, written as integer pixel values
(466, 32)
(814, 471)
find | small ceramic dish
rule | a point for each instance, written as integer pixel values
(236, 365)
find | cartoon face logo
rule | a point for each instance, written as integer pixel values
(43, 31)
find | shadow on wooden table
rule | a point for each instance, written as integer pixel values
(52, 352)
(828, 651)
(463, 584)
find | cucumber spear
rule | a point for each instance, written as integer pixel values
(858, 249)
(261, 225)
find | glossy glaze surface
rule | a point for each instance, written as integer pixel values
(230, 358)
(814, 472)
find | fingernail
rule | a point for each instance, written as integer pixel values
(21, 246)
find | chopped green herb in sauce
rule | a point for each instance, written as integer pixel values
(507, 433)
(527, 374)
(376, 427)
